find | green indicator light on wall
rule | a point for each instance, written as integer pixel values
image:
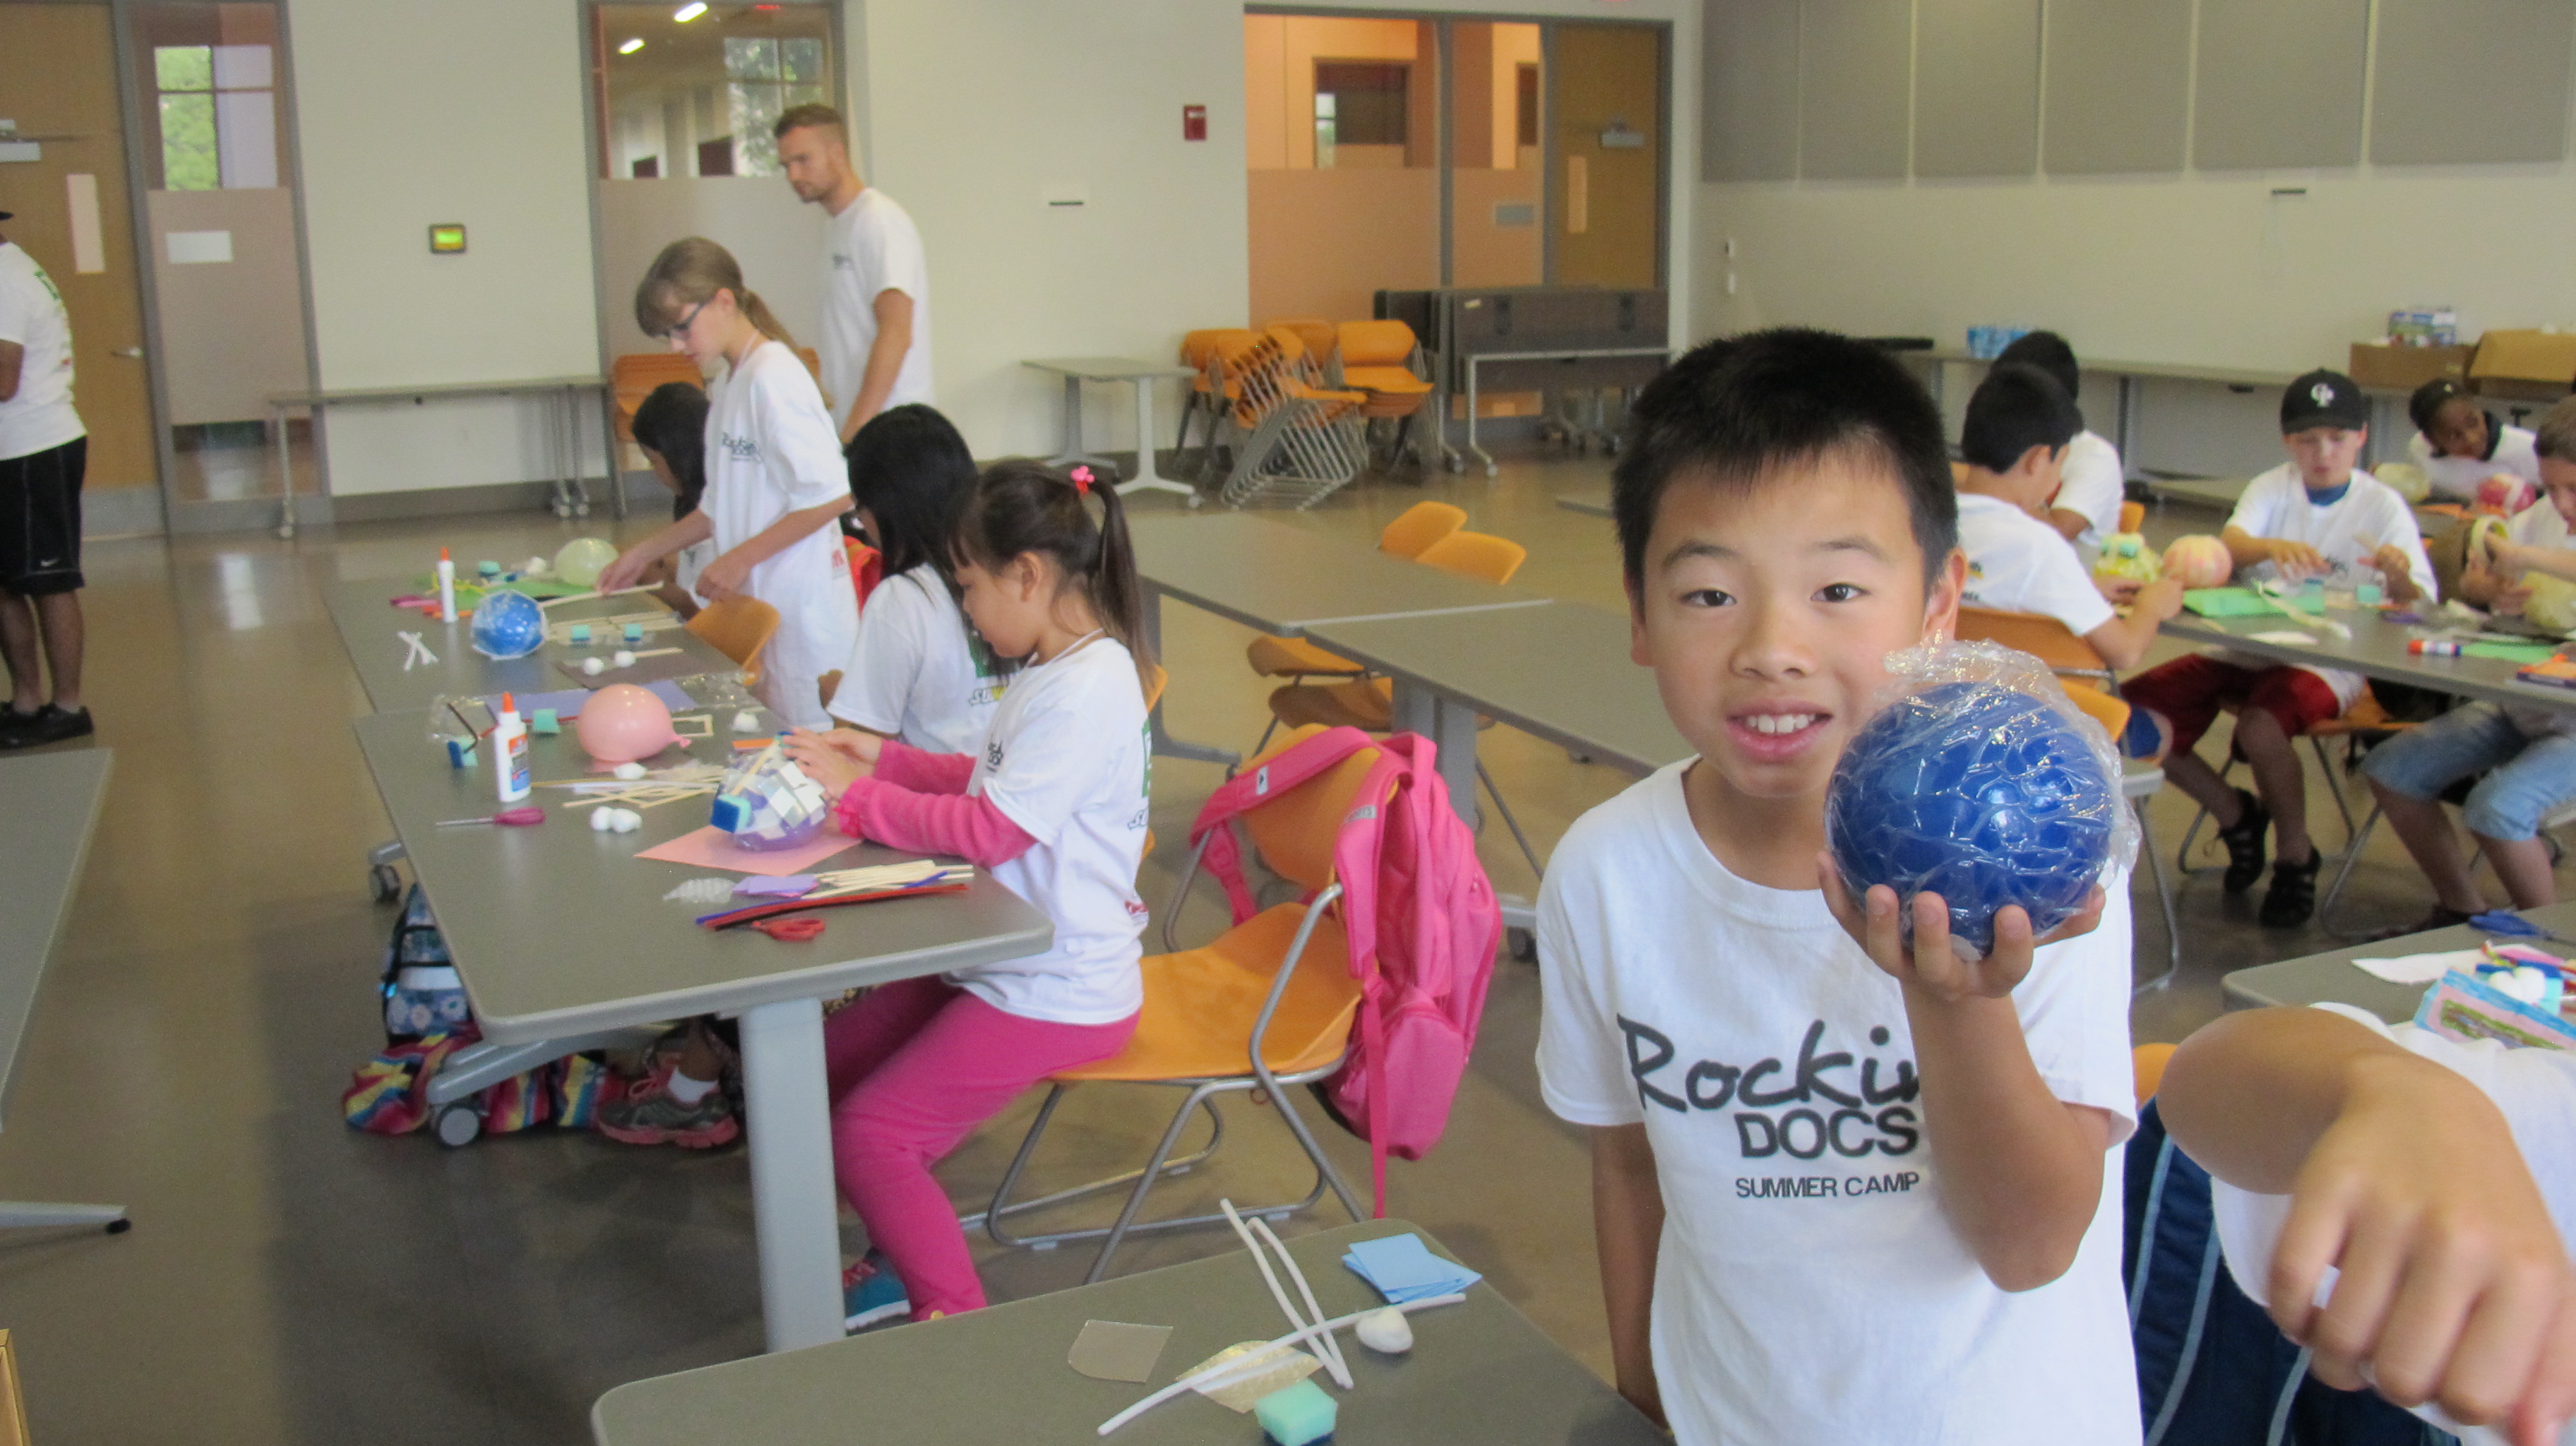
(447, 240)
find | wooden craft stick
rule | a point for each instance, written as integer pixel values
(586, 596)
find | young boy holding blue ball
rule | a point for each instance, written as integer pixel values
(1838, 1183)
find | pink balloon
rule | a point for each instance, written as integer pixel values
(2506, 493)
(623, 723)
(2199, 560)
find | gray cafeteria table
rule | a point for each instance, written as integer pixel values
(564, 941)
(1479, 1374)
(362, 612)
(1287, 581)
(1591, 502)
(51, 801)
(2330, 978)
(1142, 375)
(2377, 650)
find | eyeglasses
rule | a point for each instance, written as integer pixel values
(682, 325)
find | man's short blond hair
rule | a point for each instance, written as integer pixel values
(820, 117)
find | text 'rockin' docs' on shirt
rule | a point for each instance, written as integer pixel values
(872, 246)
(771, 450)
(919, 672)
(2346, 533)
(2019, 564)
(1808, 1286)
(1066, 760)
(2535, 1090)
(39, 417)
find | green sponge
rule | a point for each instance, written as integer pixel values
(1297, 1416)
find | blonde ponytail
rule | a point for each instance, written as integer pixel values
(770, 327)
(688, 273)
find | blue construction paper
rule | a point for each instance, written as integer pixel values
(1404, 1269)
(567, 702)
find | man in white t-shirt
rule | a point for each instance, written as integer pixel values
(2401, 1201)
(875, 344)
(2317, 515)
(2015, 442)
(2526, 751)
(1841, 1191)
(2093, 483)
(44, 450)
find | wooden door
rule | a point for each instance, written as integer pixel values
(1606, 84)
(58, 82)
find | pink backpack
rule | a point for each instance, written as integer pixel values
(1422, 926)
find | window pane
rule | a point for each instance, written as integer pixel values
(801, 60)
(755, 59)
(1368, 101)
(185, 67)
(244, 67)
(756, 107)
(698, 98)
(188, 142)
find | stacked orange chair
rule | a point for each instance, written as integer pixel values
(1295, 438)
(1382, 360)
(1214, 389)
(1318, 336)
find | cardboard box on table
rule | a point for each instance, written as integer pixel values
(2528, 366)
(2404, 368)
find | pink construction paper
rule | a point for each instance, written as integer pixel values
(713, 848)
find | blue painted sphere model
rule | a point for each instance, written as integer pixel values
(508, 624)
(1979, 793)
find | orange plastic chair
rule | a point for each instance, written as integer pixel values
(2041, 636)
(633, 377)
(2147, 1069)
(738, 627)
(1419, 526)
(1267, 1006)
(1318, 336)
(1206, 353)
(2133, 515)
(1378, 358)
(1476, 556)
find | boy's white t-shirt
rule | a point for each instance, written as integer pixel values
(1808, 1286)
(2347, 534)
(771, 450)
(1066, 761)
(918, 672)
(2019, 564)
(2535, 1089)
(872, 246)
(39, 417)
(2517, 450)
(2539, 525)
(2092, 482)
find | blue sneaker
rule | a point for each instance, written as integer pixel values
(871, 1294)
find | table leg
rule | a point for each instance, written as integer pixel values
(1163, 744)
(2128, 423)
(1472, 449)
(1073, 452)
(794, 1202)
(608, 452)
(27, 1215)
(1146, 478)
(1451, 727)
(286, 470)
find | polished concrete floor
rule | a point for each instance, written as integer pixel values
(291, 1281)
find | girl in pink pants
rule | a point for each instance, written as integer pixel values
(1053, 804)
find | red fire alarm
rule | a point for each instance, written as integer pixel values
(1193, 122)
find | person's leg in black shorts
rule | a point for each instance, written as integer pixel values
(40, 582)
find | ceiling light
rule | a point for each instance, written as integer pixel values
(690, 11)
(631, 46)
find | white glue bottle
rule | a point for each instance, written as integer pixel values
(510, 752)
(446, 587)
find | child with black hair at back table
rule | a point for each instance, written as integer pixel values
(1052, 801)
(2316, 515)
(2523, 755)
(2015, 442)
(2401, 1203)
(919, 671)
(1841, 1191)
(776, 483)
(2093, 480)
(2460, 444)
(671, 430)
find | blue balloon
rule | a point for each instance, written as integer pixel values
(508, 624)
(1979, 793)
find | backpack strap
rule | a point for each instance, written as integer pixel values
(1252, 788)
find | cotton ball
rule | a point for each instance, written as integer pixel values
(622, 658)
(629, 771)
(601, 820)
(628, 820)
(746, 721)
(536, 567)
(1385, 1331)
(593, 666)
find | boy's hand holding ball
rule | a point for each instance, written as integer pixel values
(1936, 963)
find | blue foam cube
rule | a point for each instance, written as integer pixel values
(581, 635)
(1298, 1415)
(545, 721)
(634, 632)
(460, 752)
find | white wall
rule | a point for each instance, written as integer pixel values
(777, 239)
(467, 111)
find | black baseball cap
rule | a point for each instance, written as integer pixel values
(2323, 398)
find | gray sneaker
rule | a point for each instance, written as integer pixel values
(649, 1114)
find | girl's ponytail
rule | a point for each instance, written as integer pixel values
(769, 325)
(1116, 594)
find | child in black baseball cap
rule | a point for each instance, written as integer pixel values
(2316, 515)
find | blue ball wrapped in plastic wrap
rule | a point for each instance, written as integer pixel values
(1978, 781)
(767, 803)
(508, 624)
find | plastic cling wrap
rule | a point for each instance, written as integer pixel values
(1978, 781)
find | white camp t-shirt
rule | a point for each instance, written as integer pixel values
(1808, 1286)
(40, 417)
(2019, 564)
(2539, 525)
(872, 246)
(2092, 482)
(771, 450)
(2346, 535)
(2516, 450)
(918, 672)
(1066, 761)
(2535, 1089)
